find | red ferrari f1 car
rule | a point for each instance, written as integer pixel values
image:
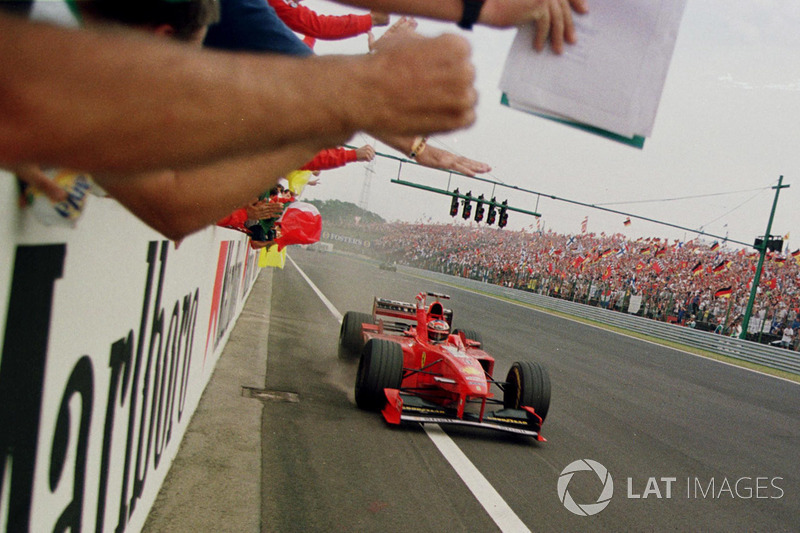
(415, 368)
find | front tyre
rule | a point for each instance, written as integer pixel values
(350, 339)
(528, 384)
(380, 367)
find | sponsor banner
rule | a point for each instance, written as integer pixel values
(334, 237)
(110, 334)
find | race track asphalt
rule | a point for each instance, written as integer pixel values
(690, 443)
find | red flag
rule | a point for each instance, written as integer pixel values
(300, 223)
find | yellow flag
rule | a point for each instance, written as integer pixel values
(271, 257)
(297, 180)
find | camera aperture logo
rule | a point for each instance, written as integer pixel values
(585, 509)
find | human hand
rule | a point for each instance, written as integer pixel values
(379, 19)
(35, 177)
(403, 28)
(442, 159)
(257, 245)
(552, 19)
(418, 86)
(365, 153)
(263, 209)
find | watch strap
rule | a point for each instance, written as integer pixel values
(472, 10)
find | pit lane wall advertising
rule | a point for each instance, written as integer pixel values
(110, 334)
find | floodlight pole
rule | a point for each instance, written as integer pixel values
(762, 251)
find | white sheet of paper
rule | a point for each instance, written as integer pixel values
(612, 78)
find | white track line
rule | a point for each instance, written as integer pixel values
(499, 511)
(505, 517)
(322, 297)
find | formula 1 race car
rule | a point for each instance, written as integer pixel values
(414, 368)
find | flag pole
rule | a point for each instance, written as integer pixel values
(727, 313)
(762, 251)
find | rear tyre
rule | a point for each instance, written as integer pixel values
(471, 335)
(350, 339)
(380, 367)
(528, 384)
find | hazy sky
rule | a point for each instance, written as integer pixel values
(728, 122)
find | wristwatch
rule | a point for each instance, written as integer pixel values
(472, 9)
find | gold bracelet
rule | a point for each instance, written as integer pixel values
(418, 146)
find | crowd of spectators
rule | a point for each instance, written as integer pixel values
(698, 283)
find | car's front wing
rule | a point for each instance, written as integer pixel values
(404, 407)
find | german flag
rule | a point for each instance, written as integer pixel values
(715, 246)
(697, 269)
(627, 222)
(723, 293)
(720, 267)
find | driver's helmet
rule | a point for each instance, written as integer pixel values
(438, 330)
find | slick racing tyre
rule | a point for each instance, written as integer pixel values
(350, 340)
(381, 367)
(527, 384)
(471, 335)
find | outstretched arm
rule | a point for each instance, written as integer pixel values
(137, 103)
(552, 19)
(178, 203)
(434, 157)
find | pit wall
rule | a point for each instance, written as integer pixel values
(110, 334)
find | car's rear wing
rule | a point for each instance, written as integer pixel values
(401, 310)
(394, 309)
